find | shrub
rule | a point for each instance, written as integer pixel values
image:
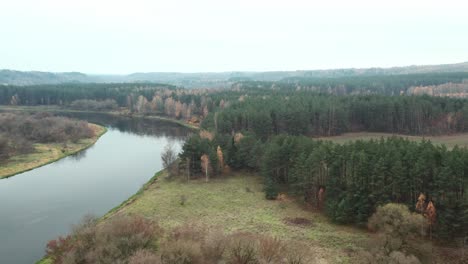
(57, 248)
(181, 252)
(132, 239)
(214, 246)
(396, 223)
(183, 200)
(111, 242)
(144, 257)
(243, 250)
(396, 226)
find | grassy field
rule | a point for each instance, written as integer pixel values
(47, 153)
(449, 140)
(237, 203)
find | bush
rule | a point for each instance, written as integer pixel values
(214, 246)
(396, 223)
(58, 248)
(243, 250)
(44, 128)
(113, 241)
(271, 190)
(18, 132)
(133, 240)
(144, 257)
(181, 252)
(4, 148)
(396, 226)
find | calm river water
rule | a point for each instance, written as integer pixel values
(41, 204)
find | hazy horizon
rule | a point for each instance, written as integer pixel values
(124, 37)
(201, 72)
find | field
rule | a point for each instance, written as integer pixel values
(237, 203)
(47, 153)
(449, 140)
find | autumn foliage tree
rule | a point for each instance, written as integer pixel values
(421, 204)
(219, 153)
(431, 214)
(206, 167)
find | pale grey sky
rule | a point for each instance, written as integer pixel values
(116, 36)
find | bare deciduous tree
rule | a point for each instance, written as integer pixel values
(169, 158)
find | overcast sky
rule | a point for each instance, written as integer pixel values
(101, 36)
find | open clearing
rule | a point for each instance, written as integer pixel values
(47, 153)
(237, 203)
(449, 140)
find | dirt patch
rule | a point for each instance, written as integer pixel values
(298, 221)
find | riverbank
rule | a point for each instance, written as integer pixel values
(58, 109)
(47, 153)
(229, 202)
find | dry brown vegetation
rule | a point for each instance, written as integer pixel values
(19, 132)
(138, 240)
(459, 90)
(29, 141)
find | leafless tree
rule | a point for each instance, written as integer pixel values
(169, 158)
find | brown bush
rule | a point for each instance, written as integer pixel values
(214, 246)
(243, 250)
(112, 242)
(181, 252)
(4, 148)
(44, 128)
(270, 249)
(144, 257)
(133, 239)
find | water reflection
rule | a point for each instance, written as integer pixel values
(140, 126)
(80, 155)
(41, 204)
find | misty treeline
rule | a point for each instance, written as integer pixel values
(459, 90)
(373, 84)
(18, 132)
(137, 98)
(137, 240)
(162, 99)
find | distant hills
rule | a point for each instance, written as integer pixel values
(213, 79)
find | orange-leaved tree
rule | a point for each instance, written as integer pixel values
(431, 214)
(219, 153)
(205, 164)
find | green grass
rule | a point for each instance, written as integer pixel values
(449, 140)
(47, 153)
(45, 261)
(225, 203)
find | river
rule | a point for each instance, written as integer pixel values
(41, 204)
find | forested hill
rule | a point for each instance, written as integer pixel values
(9, 77)
(216, 79)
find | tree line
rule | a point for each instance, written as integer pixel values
(347, 181)
(373, 84)
(303, 113)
